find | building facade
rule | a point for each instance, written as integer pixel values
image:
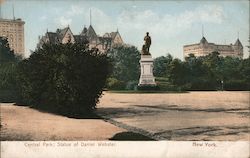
(13, 30)
(204, 48)
(103, 43)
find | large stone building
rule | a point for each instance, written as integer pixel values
(103, 43)
(204, 48)
(13, 30)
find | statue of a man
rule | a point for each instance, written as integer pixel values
(147, 40)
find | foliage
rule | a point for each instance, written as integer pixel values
(211, 72)
(6, 55)
(236, 85)
(165, 85)
(8, 64)
(125, 63)
(114, 84)
(131, 85)
(64, 78)
(178, 72)
(161, 65)
(148, 88)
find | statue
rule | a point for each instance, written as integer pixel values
(145, 47)
(147, 64)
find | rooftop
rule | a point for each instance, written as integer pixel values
(18, 20)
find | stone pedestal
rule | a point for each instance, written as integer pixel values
(147, 78)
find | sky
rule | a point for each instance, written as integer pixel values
(171, 24)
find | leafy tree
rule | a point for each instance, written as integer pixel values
(244, 68)
(230, 68)
(161, 65)
(125, 63)
(197, 73)
(241, 79)
(8, 63)
(64, 78)
(178, 72)
(213, 64)
(6, 55)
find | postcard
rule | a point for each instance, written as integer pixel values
(124, 79)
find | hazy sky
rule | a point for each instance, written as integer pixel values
(171, 24)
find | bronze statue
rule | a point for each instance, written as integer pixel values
(145, 47)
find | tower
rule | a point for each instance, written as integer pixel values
(90, 22)
(202, 30)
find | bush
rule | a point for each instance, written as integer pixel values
(114, 84)
(236, 85)
(67, 78)
(131, 85)
(148, 88)
(167, 87)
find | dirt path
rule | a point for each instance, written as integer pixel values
(24, 123)
(181, 116)
(170, 116)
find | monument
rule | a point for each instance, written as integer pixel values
(146, 78)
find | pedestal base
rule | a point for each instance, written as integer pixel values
(146, 78)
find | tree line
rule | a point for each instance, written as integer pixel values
(211, 72)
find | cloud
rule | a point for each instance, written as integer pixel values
(44, 17)
(67, 18)
(101, 22)
(134, 24)
(75, 10)
(64, 21)
(163, 27)
(170, 24)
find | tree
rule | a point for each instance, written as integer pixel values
(161, 65)
(244, 68)
(125, 63)
(197, 73)
(178, 72)
(213, 64)
(230, 68)
(235, 73)
(8, 64)
(6, 54)
(64, 78)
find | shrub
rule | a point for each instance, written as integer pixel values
(131, 85)
(167, 87)
(148, 88)
(236, 85)
(114, 84)
(64, 78)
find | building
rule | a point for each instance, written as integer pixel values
(13, 30)
(204, 48)
(103, 43)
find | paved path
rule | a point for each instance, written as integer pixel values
(180, 116)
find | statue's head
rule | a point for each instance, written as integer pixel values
(147, 33)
